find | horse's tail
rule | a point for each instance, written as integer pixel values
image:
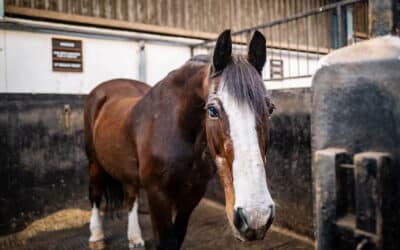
(113, 190)
(92, 106)
(114, 193)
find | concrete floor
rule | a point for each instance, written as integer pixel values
(208, 229)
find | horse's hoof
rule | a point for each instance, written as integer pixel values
(136, 246)
(97, 245)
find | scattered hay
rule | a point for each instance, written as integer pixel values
(64, 219)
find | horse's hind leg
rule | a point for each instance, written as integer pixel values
(96, 189)
(134, 233)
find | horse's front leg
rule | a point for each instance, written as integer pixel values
(185, 209)
(180, 227)
(161, 217)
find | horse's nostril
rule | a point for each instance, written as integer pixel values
(240, 220)
(271, 211)
(271, 217)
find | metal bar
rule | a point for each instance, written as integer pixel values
(317, 35)
(280, 41)
(288, 51)
(1, 8)
(349, 25)
(301, 15)
(267, 56)
(328, 36)
(307, 41)
(287, 78)
(310, 50)
(248, 37)
(294, 17)
(142, 62)
(297, 40)
(339, 25)
(366, 14)
(191, 51)
(272, 40)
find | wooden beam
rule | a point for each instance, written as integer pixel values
(361, 35)
(108, 23)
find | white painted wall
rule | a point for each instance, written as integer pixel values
(294, 64)
(161, 59)
(2, 61)
(26, 66)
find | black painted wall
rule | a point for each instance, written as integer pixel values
(42, 163)
(43, 167)
(289, 160)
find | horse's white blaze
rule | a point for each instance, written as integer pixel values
(134, 233)
(96, 225)
(249, 179)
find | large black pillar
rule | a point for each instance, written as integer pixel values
(382, 17)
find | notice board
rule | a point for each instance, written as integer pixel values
(67, 55)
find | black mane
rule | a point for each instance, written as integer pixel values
(245, 84)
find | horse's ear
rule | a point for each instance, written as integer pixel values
(257, 51)
(223, 51)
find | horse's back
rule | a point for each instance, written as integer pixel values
(107, 105)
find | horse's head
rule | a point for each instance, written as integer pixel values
(237, 134)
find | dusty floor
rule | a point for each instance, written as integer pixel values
(208, 229)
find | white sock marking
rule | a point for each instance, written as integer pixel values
(96, 225)
(134, 233)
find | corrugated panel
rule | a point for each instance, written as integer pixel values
(199, 15)
(206, 17)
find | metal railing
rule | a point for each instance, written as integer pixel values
(296, 43)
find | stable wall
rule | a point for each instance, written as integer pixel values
(26, 62)
(42, 163)
(43, 166)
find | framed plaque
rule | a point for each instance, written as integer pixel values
(67, 55)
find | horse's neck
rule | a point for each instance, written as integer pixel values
(182, 91)
(191, 106)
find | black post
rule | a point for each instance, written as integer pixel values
(382, 17)
(341, 26)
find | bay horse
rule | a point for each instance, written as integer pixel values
(171, 139)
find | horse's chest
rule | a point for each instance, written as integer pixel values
(188, 177)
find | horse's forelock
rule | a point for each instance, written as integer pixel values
(245, 84)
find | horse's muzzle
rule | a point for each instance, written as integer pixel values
(247, 228)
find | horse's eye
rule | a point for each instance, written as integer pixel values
(213, 112)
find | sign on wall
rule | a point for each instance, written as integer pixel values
(67, 55)
(276, 68)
